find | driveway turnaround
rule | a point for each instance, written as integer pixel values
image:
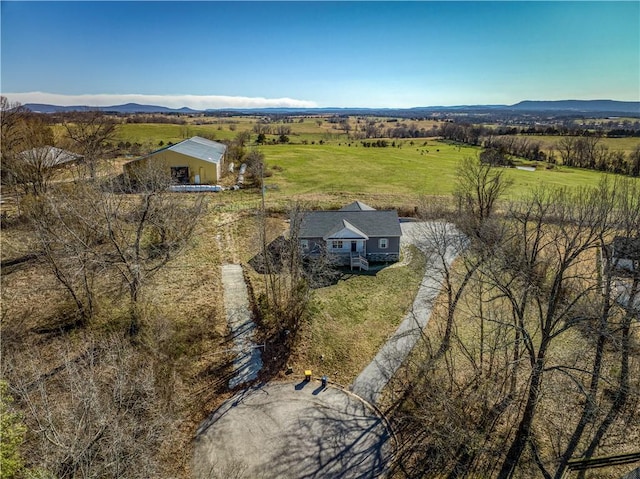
(289, 430)
(369, 384)
(304, 430)
(248, 361)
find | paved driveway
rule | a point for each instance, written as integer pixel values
(289, 430)
(375, 376)
(304, 431)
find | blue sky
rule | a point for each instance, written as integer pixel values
(346, 54)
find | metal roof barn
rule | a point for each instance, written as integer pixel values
(195, 161)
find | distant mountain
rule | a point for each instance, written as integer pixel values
(579, 106)
(136, 108)
(609, 107)
(126, 108)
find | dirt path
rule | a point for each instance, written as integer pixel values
(375, 376)
(226, 239)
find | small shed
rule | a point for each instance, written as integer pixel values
(49, 157)
(191, 162)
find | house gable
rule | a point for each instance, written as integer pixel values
(345, 230)
(357, 206)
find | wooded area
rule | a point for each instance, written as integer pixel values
(530, 359)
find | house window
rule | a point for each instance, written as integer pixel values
(304, 244)
(383, 243)
(336, 244)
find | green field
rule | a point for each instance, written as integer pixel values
(410, 170)
(306, 129)
(320, 159)
(153, 133)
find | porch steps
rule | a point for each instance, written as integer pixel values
(359, 262)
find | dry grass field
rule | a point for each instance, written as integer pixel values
(184, 337)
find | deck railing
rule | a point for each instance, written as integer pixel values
(359, 262)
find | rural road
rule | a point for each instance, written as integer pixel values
(375, 376)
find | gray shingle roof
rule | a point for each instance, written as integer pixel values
(357, 206)
(201, 148)
(383, 223)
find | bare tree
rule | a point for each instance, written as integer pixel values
(567, 149)
(93, 412)
(86, 229)
(261, 128)
(626, 220)
(91, 133)
(146, 230)
(69, 239)
(502, 387)
(29, 159)
(478, 188)
(255, 166)
(13, 117)
(552, 233)
(286, 287)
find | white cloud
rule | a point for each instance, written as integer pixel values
(197, 102)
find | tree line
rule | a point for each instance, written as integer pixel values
(530, 360)
(587, 151)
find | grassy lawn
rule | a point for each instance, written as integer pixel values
(343, 166)
(352, 319)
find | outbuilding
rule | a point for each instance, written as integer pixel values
(196, 161)
(49, 157)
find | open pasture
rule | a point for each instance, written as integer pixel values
(410, 170)
(300, 129)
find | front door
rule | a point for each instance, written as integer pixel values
(354, 246)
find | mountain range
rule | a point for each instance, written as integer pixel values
(610, 107)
